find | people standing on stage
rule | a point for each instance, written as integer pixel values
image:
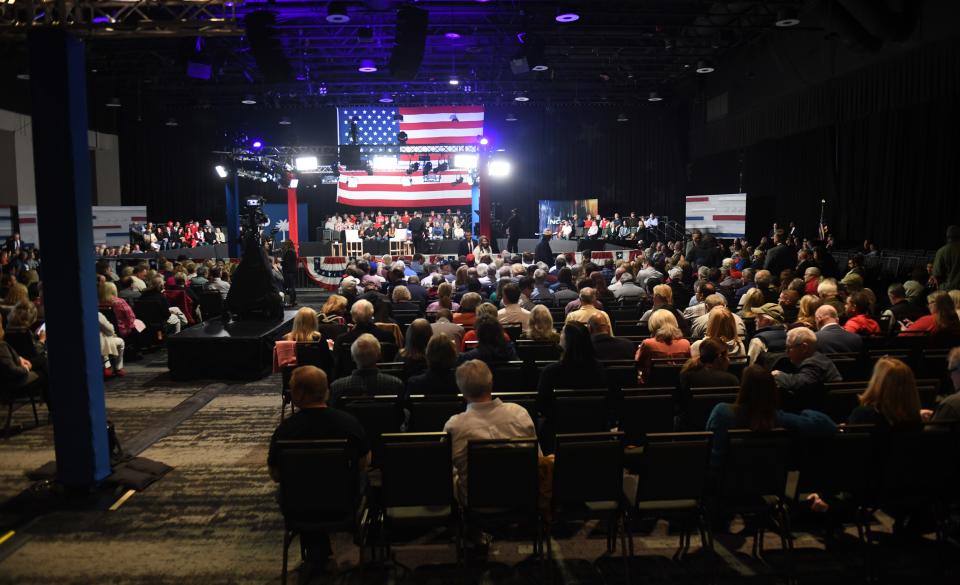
(513, 226)
(483, 247)
(289, 270)
(417, 228)
(543, 253)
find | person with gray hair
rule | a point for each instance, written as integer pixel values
(361, 313)
(366, 379)
(588, 308)
(699, 325)
(628, 289)
(485, 417)
(541, 290)
(804, 387)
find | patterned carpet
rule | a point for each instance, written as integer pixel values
(213, 518)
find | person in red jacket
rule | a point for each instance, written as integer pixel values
(858, 310)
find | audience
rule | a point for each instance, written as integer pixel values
(413, 354)
(493, 344)
(859, 320)
(438, 378)
(722, 325)
(366, 379)
(587, 308)
(831, 337)
(804, 386)
(770, 335)
(605, 345)
(444, 324)
(891, 401)
(512, 313)
(540, 326)
(361, 313)
(665, 341)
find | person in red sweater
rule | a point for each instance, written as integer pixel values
(858, 310)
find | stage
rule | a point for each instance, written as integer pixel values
(242, 350)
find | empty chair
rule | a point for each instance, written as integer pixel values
(642, 413)
(510, 377)
(698, 408)
(531, 351)
(671, 480)
(580, 411)
(315, 353)
(211, 304)
(429, 413)
(377, 415)
(664, 372)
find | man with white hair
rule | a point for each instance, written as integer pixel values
(628, 289)
(366, 379)
(699, 325)
(827, 291)
(541, 290)
(361, 313)
(485, 418)
(588, 296)
(831, 337)
(646, 273)
(804, 388)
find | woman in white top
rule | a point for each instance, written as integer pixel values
(482, 248)
(721, 325)
(457, 230)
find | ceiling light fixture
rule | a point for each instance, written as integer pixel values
(367, 66)
(521, 98)
(337, 13)
(385, 99)
(787, 17)
(654, 97)
(171, 123)
(540, 67)
(567, 17)
(454, 80)
(704, 66)
(248, 100)
(285, 121)
(23, 76)
(113, 103)
(511, 117)
(622, 118)
(452, 35)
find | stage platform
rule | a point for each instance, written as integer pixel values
(242, 350)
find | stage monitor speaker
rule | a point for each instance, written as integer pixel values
(265, 46)
(411, 39)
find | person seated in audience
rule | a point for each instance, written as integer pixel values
(541, 291)
(467, 314)
(217, 283)
(15, 294)
(699, 308)
(485, 418)
(708, 368)
(770, 335)
(577, 369)
(942, 322)
(900, 310)
(827, 291)
(413, 354)
(366, 379)
(859, 320)
(526, 289)
(493, 343)
(757, 408)
(891, 401)
(588, 308)
(540, 327)
(315, 420)
(831, 337)
(122, 312)
(18, 376)
(21, 334)
(748, 284)
(811, 280)
(605, 345)
(564, 290)
(126, 290)
(663, 299)
(788, 302)
(603, 293)
(444, 324)
(512, 313)
(806, 316)
(752, 299)
(444, 299)
(628, 289)
(401, 299)
(418, 294)
(111, 349)
(665, 341)
(804, 388)
(699, 325)
(362, 316)
(438, 378)
(764, 282)
(200, 280)
(721, 325)
(334, 310)
(304, 327)
(855, 268)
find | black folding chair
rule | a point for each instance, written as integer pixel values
(429, 414)
(643, 412)
(580, 411)
(377, 415)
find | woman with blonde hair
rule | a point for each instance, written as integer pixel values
(334, 310)
(305, 325)
(665, 341)
(122, 312)
(891, 401)
(484, 310)
(541, 326)
(15, 294)
(752, 299)
(468, 309)
(721, 325)
(806, 316)
(444, 299)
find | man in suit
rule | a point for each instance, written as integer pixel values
(289, 270)
(781, 257)
(466, 245)
(444, 324)
(605, 345)
(417, 228)
(513, 231)
(543, 253)
(13, 244)
(831, 337)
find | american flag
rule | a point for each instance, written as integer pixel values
(374, 131)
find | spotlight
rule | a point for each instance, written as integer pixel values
(402, 137)
(384, 163)
(427, 167)
(704, 66)
(248, 100)
(171, 122)
(499, 168)
(221, 171)
(454, 80)
(511, 117)
(540, 67)
(465, 161)
(337, 13)
(567, 17)
(452, 35)
(622, 118)
(521, 98)
(484, 140)
(385, 99)
(23, 76)
(367, 66)
(787, 17)
(441, 167)
(257, 144)
(285, 121)
(114, 103)
(458, 181)
(305, 163)
(294, 183)
(654, 97)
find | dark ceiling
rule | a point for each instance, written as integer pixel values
(616, 53)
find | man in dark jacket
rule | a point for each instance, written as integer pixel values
(543, 253)
(289, 269)
(804, 388)
(605, 345)
(831, 337)
(781, 257)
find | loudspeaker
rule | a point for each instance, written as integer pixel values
(411, 39)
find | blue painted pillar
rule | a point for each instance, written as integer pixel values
(232, 193)
(64, 217)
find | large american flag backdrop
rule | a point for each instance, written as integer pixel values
(376, 135)
(723, 215)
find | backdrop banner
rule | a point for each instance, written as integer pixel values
(553, 210)
(724, 216)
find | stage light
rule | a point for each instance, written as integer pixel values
(384, 163)
(622, 118)
(305, 163)
(248, 100)
(441, 167)
(256, 144)
(171, 123)
(114, 103)
(337, 13)
(540, 67)
(294, 183)
(787, 17)
(402, 137)
(385, 99)
(521, 98)
(499, 168)
(465, 161)
(221, 171)
(567, 17)
(285, 121)
(454, 80)
(367, 66)
(427, 167)
(511, 117)
(654, 97)
(484, 140)
(704, 66)
(452, 35)
(23, 76)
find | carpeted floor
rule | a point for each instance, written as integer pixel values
(213, 518)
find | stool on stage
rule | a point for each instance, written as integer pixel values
(354, 244)
(399, 245)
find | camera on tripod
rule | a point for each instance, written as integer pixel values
(252, 217)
